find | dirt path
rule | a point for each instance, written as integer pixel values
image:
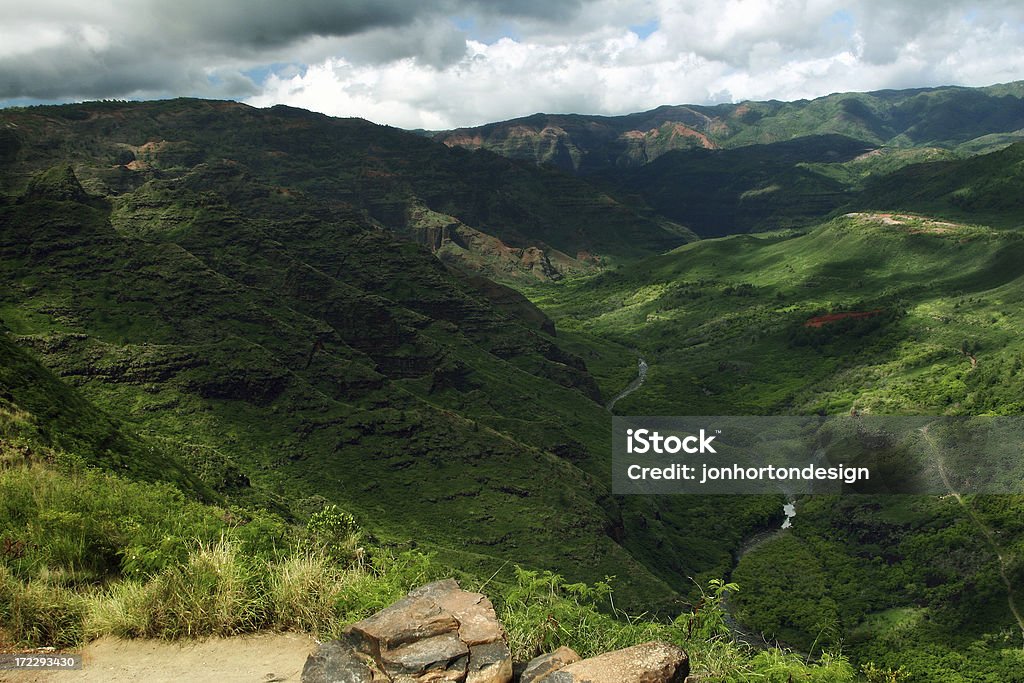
(259, 658)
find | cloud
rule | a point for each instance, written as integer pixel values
(447, 63)
(53, 49)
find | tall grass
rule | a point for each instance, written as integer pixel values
(85, 553)
(39, 613)
(219, 592)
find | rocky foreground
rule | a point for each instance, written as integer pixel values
(440, 632)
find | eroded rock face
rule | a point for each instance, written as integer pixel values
(437, 633)
(646, 663)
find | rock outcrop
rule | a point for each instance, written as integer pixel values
(441, 633)
(437, 633)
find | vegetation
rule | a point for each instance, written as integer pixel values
(88, 553)
(730, 327)
(231, 401)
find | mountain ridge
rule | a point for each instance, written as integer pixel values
(476, 211)
(938, 116)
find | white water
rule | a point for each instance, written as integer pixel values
(641, 375)
(789, 509)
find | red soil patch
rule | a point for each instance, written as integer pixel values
(464, 140)
(685, 131)
(822, 320)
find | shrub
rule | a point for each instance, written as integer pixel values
(542, 612)
(337, 533)
(213, 593)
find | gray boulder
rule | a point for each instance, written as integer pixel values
(337, 662)
(438, 632)
(652, 662)
(541, 667)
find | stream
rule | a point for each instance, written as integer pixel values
(641, 375)
(740, 632)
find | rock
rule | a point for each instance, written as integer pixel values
(438, 632)
(540, 667)
(337, 662)
(652, 662)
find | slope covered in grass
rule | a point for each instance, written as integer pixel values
(985, 187)
(722, 322)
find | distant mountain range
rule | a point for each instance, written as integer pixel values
(947, 117)
(480, 211)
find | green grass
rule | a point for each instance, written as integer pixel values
(721, 322)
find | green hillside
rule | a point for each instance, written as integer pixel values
(478, 211)
(985, 187)
(251, 312)
(723, 327)
(756, 187)
(300, 366)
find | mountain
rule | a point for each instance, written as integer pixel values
(478, 211)
(945, 117)
(277, 312)
(587, 143)
(985, 187)
(225, 282)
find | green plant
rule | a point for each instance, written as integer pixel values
(337, 533)
(708, 619)
(38, 614)
(876, 674)
(303, 591)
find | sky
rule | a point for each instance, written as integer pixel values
(440, 64)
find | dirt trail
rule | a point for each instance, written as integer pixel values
(259, 658)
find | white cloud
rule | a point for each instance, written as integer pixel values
(447, 63)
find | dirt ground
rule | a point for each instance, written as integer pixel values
(259, 658)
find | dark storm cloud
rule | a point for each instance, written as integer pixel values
(260, 24)
(201, 47)
(436, 44)
(532, 9)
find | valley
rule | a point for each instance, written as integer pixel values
(254, 316)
